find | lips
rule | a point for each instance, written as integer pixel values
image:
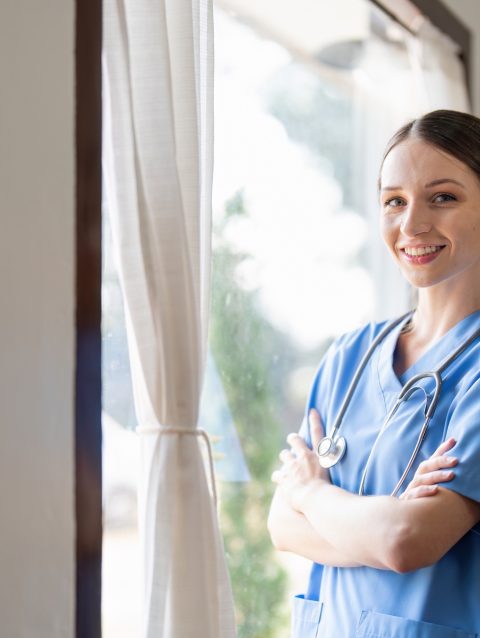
(421, 254)
(415, 251)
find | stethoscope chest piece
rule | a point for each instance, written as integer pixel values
(330, 452)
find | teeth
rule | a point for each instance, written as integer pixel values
(416, 252)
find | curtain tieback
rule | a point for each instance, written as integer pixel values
(157, 429)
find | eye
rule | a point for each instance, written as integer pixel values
(394, 202)
(446, 197)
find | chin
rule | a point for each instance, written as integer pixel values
(421, 282)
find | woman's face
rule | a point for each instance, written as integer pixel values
(430, 214)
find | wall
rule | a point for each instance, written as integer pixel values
(468, 12)
(37, 320)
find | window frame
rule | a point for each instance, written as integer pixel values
(88, 400)
(446, 21)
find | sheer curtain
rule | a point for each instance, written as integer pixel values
(158, 110)
(383, 99)
(438, 72)
(426, 75)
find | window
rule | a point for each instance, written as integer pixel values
(305, 101)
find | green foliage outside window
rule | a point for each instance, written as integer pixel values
(245, 348)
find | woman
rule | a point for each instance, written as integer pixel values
(406, 565)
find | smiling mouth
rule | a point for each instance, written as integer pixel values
(421, 256)
(424, 250)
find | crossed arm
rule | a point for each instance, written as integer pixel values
(313, 518)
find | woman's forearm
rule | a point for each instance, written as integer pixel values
(367, 528)
(376, 531)
(382, 531)
(292, 532)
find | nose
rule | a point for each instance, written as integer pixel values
(415, 220)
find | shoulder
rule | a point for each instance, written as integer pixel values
(337, 367)
(463, 374)
(355, 343)
(346, 352)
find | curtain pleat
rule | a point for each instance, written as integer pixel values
(158, 163)
(439, 73)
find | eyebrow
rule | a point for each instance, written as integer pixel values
(435, 182)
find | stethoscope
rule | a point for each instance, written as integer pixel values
(332, 448)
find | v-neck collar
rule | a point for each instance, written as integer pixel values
(429, 360)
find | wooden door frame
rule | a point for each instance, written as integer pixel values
(88, 400)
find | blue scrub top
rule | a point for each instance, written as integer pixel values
(439, 601)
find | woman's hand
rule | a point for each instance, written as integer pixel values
(436, 469)
(301, 468)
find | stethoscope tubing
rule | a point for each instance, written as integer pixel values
(408, 389)
(406, 392)
(358, 373)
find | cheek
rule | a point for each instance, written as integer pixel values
(387, 230)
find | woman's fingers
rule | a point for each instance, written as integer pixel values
(316, 434)
(432, 471)
(276, 477)
(417, 492)
(285, 456)
(297, 443)
(431, 478)
(444, 447)
(316, 427)
(300, 463)
(436, 463)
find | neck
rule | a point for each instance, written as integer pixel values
(439, 309)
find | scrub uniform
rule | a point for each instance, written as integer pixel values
(441, 601)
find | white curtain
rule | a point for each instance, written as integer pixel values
(383, 102)
(439, 73)
(158, 135)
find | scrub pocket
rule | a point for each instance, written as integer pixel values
(375, 625)
(305, 617)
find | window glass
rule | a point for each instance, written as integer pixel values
(300, 103)
(288, 276)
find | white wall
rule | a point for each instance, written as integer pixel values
(36, 320)
(468, 12)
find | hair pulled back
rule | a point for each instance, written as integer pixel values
(454, 132)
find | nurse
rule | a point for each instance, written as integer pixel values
(405, 566)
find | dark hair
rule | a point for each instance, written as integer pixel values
(454, 132)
